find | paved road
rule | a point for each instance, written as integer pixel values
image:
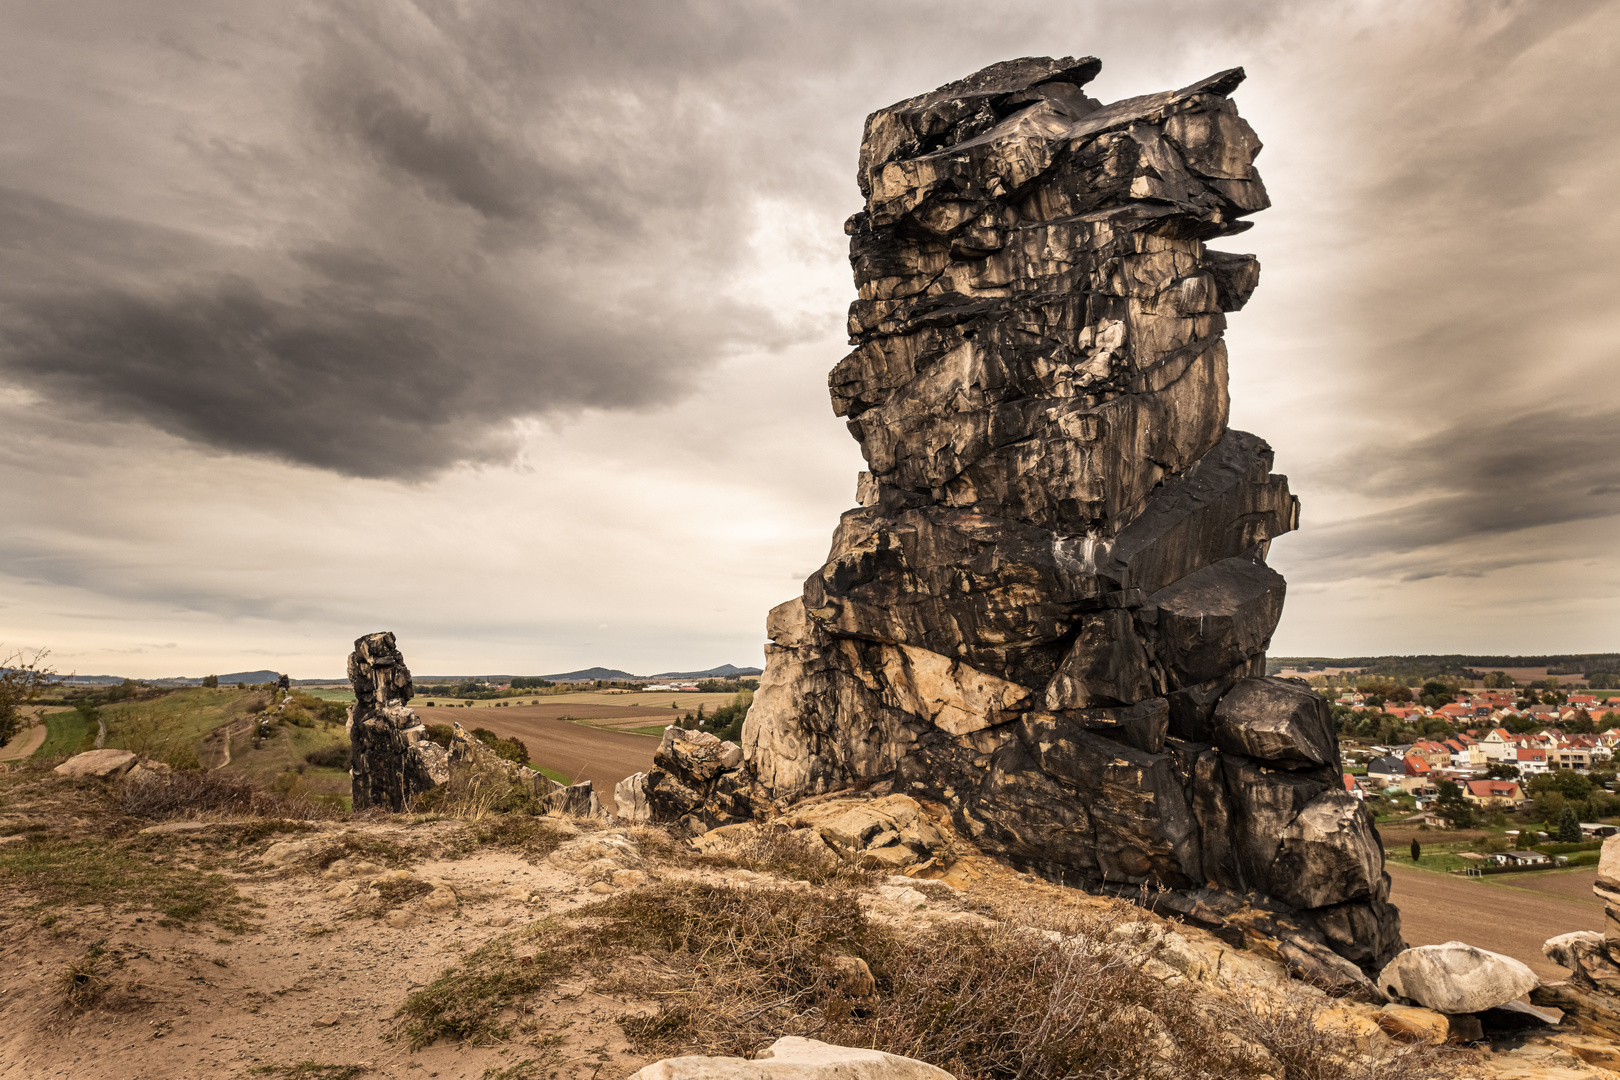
(1509, 919)
(584, 753)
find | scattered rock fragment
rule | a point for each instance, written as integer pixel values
(793, 1058)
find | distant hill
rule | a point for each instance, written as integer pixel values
(724, 671)
(249, 677)
(591, 675)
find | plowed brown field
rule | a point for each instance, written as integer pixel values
(1512, 914)
(581, 752)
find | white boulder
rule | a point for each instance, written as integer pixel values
(793, 1058)
(1455, 977)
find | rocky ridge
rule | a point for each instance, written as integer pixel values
(1050, 611)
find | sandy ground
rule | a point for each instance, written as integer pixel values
(23, 744)
(577, 750)
(1513, 919)
(310, 982)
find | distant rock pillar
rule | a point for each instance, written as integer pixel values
(390, 758)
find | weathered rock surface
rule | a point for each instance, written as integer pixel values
(1590, 998)
(100, 764)
(1050, 611)
(1456, 978)
(391, 759)
(793, 1058)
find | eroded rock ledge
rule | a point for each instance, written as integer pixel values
(1051, 610)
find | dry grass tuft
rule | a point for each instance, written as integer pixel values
(794, 854)
(536, 837)
(83, 982)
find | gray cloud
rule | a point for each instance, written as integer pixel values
(374, 238)
(1461, 500)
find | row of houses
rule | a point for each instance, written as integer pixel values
(1485, 704)
(1415, 777)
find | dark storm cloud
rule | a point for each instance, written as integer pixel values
(439, 221)
(1477, 495)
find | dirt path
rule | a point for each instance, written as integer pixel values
(24, 743)
(581, 752)
(1513, 919)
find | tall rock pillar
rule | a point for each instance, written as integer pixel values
(390, 758)
(1051, 610)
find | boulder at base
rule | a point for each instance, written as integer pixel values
(1455, 978)
(793, 1058)
(97, 763)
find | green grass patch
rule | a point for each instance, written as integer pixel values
(553, 775)
(66, 733)
(47, 874)
(344, 697)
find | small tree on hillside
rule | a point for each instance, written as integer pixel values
(1417, 850)
(1569, 826)
(22, 679)
(211, 682)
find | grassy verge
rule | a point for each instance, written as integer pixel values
(553, 775)
(66, 733)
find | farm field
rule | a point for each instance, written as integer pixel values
(669, 703)
(581, 751)
(1510, 914)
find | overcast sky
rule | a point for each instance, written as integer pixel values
(506, 326)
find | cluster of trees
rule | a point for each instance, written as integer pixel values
(726, 721)
(23, 679)
(1583, 797)
(510, 749)
(523, 682)
(727, 686)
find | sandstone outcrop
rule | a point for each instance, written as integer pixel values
(391, 759)
(1590, 997)
(1050, 611)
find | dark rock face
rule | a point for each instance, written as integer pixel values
(1051, 610)
(390, 757)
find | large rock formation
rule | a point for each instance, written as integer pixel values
(390, 757)
(1051, 610)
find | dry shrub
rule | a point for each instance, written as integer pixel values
(358, 845)
(536, 837)
(736, 968)
(795, 854)
(189, 793)
(475, 789)
(1301, 1046)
